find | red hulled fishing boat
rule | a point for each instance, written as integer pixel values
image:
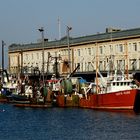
(118, 94)
(119, 90)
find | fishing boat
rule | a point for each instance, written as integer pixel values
(18, 97)
(117, 93)
(7, 85)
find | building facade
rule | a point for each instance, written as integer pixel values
(114, 49)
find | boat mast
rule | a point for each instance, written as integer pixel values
(3, 44)
(42, 35)
(97, 69)
(126, 49)
(111, 59)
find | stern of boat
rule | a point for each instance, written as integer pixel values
(137, 102)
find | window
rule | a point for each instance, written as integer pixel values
(120, 48)
(68, 52)
(85, 51)
(139, 63)
(75, 65)
(101, 65)
(90, 68)
(89, 51)
(129, 47)
(78, 52)
(101, 49)
(139, 44)
(111, 48)
(120, 64)
(135, 46)
(133, 63)
(85, 66)
(62, 52)
(79, 67)
(93, 50)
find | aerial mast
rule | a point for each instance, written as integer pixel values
(59, 28)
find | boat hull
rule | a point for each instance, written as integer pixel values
(17, 99)
(69, 101)
(122, 100)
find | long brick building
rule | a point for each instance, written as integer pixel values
(119, 49)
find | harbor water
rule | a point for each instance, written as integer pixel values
(66, 124)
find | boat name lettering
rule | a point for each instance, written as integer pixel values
(121, 93)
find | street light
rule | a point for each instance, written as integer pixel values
(42, 35)
(68, 41)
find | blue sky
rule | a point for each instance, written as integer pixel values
(20, 19)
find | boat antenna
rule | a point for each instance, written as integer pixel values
(59, 28)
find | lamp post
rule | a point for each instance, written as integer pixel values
(68, 41)
(42, 35)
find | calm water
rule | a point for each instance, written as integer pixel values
(66, 124)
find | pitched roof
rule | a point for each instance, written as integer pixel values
(100, 37)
